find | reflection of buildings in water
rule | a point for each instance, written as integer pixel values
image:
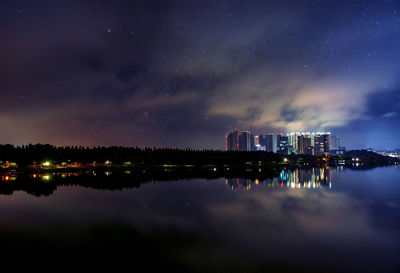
(234, 183)
(297, 179)
(307, 178)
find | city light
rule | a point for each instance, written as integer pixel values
(46, 177)
(307, 143)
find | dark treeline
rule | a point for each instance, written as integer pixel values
(27, 154)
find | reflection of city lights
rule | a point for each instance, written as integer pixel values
(313, 178)
(46, 177)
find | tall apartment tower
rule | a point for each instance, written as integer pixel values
(252, 143)
(293, 147)
(304, 143)
(321, 144)
(262, 141)
(244, 141)
(269, 142)
(232, 141)
(283, 145)
(326, 140)
(334, 143)
(278, 139)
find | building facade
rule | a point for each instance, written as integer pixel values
(269, 142)
(232, 141)
(244, 141)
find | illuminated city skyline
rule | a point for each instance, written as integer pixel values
(307, 143)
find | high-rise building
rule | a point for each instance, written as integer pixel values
(315, 143)
(309, 143)
(244, 141)
(304, 144)
(262, 141)
(257, 141)
(334, 146)
(232, 141)
(318, 145)
(321, 144)
(292, 148)
(269, 142)
(278, 140)
(283, 145)
(252, 143)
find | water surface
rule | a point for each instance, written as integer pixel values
(305, 220)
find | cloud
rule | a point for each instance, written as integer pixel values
(190, 71)
(389, 114)
(292, 104)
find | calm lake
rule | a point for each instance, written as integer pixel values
(304, 220)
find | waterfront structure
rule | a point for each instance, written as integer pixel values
(334, 143)
(259, 143)
(262, 141)
(335, 148)
(321, 144)
(244, 141)
(292, 148)
(305, 144)
(232, 141)
(278, 140)
(252, 143)
(309, 143)
(283, 144)
(269, 142)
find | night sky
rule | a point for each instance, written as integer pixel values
(184, 73)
